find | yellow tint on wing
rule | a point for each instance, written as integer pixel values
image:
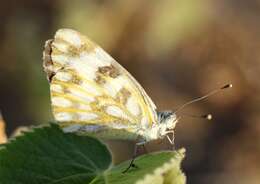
(89, 87)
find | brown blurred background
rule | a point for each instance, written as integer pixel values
(177, 50)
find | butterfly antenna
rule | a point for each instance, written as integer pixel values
(207, 116)
(204, 116)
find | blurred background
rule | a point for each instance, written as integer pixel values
(176, 49)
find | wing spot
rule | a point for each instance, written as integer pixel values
(63, 76)
(84, 97)
(113, 86)
(81, 106)
(132, 106)
(76, 80)
(116, 111)
(63, 116)
(110, 89)
(60, 47)
(110, 71)
(84, 116)
(56, 88)
(90, 88)
(75, 39)
(123, 95)
(100, 80)
(71, 37)
(60, 59)
(61, 102)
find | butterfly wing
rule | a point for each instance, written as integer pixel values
(88, 87)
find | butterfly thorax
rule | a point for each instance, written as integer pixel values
(166, 122)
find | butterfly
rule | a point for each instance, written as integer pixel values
(93, 94)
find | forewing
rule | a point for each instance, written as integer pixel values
(89, 87)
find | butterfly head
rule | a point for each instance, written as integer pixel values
(166, 121)
(167, 118)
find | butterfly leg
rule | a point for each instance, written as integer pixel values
(145, 150)
(171, 140)
(134, 156)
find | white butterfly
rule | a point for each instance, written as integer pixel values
(91, 93)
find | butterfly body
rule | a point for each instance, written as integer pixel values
(91, 93)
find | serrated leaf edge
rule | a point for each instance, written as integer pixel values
(160, 171)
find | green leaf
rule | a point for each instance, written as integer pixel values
(157, 168)
(47, 155)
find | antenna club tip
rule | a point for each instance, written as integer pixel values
(208, 116)
(227, 86)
